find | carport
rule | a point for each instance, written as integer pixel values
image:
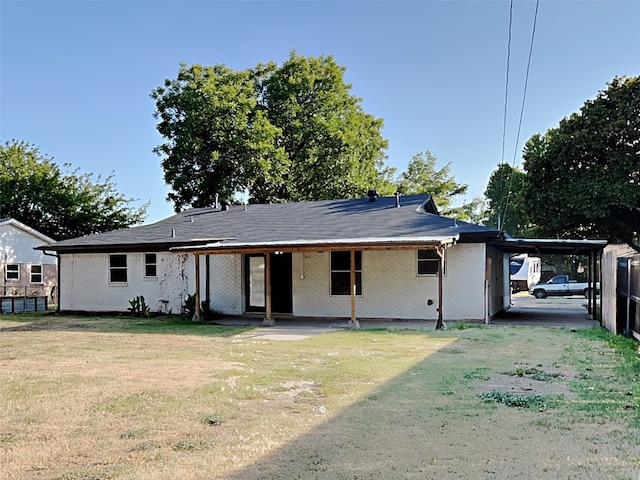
(592, 249)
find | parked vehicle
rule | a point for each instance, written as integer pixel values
(524, 272)
(561, 285)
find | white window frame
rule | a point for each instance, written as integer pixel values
(359, 276)
(39, 274)
(436, 259)
(148, 264)
(16, 271)
(118, 268)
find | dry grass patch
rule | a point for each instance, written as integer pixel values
(112, 401)
(92, 402)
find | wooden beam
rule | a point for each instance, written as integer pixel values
(353, 284)
(198, 311)
(268, 320)
(207, 281)
(440, 322)
(316, 248)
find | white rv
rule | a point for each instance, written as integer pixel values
(524, 272)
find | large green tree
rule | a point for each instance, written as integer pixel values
(507, 201)
(35, 191)
(281, 133)
(423, 176)
(583, 177)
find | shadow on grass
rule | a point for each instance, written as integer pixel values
(172, 325)
(429, 422)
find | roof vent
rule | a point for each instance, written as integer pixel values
(225, 205)
(216, 205)
(173, 233)
(397, 194)
(372, 194)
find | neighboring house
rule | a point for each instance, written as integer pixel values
(377, 257)
(25, 272)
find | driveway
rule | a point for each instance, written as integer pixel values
(549, 312)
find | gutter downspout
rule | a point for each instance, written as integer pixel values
(57, 257)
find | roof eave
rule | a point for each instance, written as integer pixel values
(122, 247)
(322, 245)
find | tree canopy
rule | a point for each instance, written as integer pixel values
(583, 177)
(507, 202)
(279, 133)
(422, 176)
(35, 191)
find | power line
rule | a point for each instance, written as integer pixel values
(506, 103)
(506, 84)
(524, 96)
(526, 80)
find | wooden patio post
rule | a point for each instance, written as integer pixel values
(599, 281)
(440, 252)
(268, 321)
(354, 323)
(198, 311)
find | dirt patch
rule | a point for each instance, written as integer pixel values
(529, 380)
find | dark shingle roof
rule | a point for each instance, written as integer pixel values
(317, 222)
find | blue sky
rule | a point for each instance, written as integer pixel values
(75, 76)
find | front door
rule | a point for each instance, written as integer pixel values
(281, 283)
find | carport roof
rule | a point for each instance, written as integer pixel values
(541, 246)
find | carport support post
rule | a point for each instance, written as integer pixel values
(267, 321)
(354, 323)
(591, 301)
(198, 311)
(593, 292)
(440, 252)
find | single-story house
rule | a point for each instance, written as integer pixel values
(25, 272)
(377, 257)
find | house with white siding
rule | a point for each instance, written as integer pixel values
(375, 258)
(26, 272)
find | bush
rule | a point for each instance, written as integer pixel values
(139, 308)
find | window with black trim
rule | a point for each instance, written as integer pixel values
(341, 273)
(118, 268)
(428, 262)
(12, 271)
(36, 274)
(150, 265)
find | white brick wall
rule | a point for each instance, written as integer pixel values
(391, 286)
(226, 287)
(84, 282)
